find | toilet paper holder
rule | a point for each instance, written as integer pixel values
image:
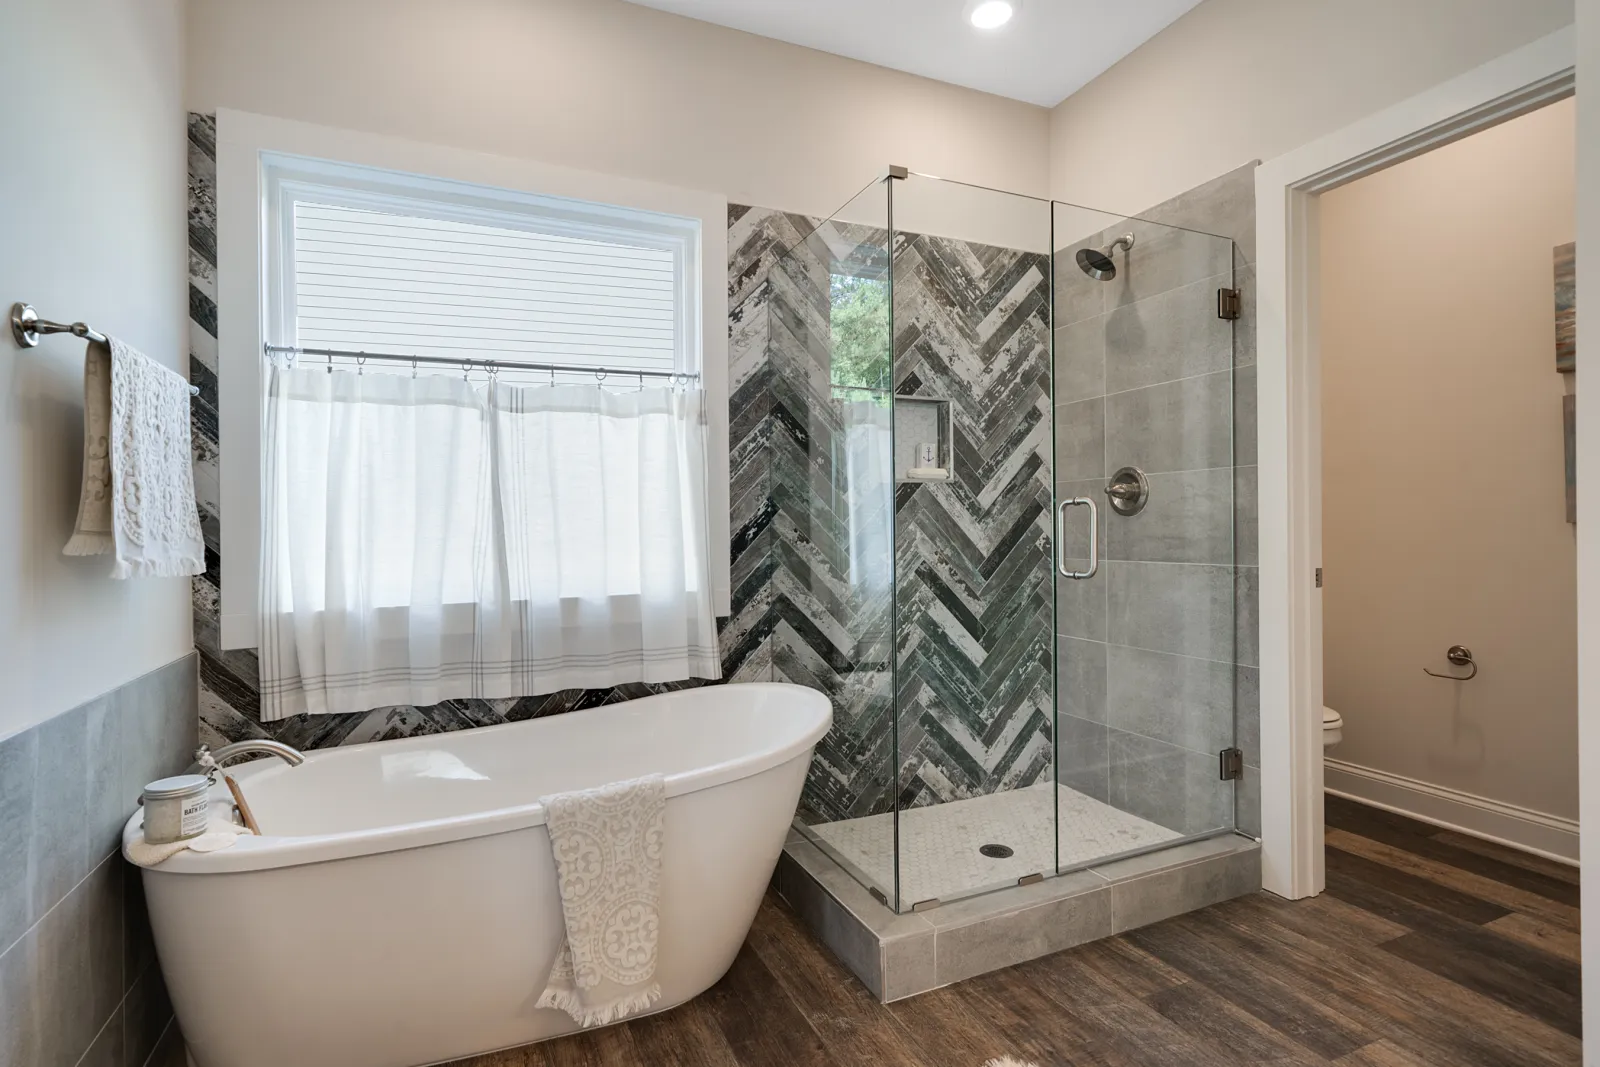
(1460, 656)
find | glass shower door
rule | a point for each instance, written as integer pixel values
(953, 372)
(975, 741)
(831, 490)
(1145, 633)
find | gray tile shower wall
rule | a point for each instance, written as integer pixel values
(1161, 657)
(229, 690)
(78, 977)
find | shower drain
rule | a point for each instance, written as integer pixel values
(996, 852)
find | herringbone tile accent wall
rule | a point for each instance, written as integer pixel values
(973, 554)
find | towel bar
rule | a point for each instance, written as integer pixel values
(27, 327)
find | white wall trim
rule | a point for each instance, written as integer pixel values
(241, 140)
(1532, 831)
(1588, 141)
(1288, 401)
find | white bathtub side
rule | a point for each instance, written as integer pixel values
(386, 796)
(428, 954)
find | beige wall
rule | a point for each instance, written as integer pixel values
(1237, 80)
(1443, 493)
(92, 210)
(611, 87)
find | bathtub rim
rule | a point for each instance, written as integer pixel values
(251, 853)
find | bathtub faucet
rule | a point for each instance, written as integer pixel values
(207, 762)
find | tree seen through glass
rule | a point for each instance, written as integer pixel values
(860, 324)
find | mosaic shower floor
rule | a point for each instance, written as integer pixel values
(939, 844)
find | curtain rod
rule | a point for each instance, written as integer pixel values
(464, 363)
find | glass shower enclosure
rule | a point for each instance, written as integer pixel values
(1004, 488)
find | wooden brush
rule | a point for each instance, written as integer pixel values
(243, 805)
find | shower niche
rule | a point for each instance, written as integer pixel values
(1026, 710)
(922, 439)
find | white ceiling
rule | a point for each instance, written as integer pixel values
(1051, 49)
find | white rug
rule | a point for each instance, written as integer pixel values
(939, 855)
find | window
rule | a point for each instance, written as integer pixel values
(463, 490)
(324, 237)
(366, 260)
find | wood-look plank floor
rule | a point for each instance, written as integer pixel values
(1429, 949)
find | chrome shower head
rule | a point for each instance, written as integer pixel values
(1097, 262)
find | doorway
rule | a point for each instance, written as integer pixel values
(1289, 190)
(1449, 610)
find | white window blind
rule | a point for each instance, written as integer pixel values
(383, 280)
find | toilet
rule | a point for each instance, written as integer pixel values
(1332, 727)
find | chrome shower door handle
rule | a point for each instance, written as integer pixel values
(1061, 538)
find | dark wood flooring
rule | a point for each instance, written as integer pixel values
(1429, 949)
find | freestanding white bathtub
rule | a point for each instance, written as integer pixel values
(401, 907)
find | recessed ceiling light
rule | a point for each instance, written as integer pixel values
(991, 14)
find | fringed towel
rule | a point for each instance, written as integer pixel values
(607, 844)
(137, 500)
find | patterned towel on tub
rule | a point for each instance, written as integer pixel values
(607, 844)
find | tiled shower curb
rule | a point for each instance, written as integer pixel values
(898, 956)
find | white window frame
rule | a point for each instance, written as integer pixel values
(262, 162)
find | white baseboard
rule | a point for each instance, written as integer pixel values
(1531, 831)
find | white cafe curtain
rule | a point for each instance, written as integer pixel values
(426, 538)
(869, 478)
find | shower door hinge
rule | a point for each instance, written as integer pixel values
(1228, 303)
(1319, 577)
(1232, 764)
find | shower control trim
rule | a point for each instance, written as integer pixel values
(1129, 491)
(1061, 538)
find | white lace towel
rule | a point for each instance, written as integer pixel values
(137, 500)
(607, 845)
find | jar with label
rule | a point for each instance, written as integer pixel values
(176, 809)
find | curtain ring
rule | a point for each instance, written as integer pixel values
(466, 368)
(361, 363)
(413, 366)
(599, 374)
(330, 361)
(641, 381)
(552, 375)
(494, 370)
